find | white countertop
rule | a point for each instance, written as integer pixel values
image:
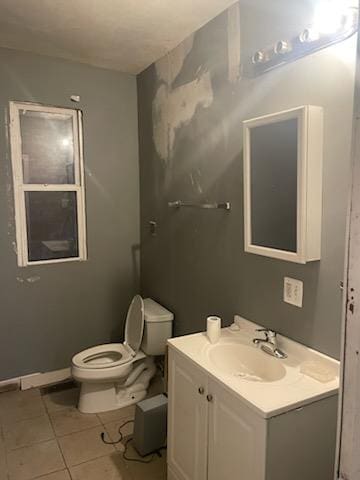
(268, 399)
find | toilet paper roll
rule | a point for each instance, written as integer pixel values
(213, 328)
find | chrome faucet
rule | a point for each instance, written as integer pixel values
(269, 343)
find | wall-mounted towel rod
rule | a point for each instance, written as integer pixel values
(180, 203)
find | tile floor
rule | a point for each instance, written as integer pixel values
(44, 436)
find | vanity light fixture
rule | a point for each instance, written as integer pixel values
(333, 23)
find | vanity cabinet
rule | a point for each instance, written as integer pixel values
(188, 417)
(214, 435)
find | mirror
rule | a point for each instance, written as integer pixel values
(282, 184)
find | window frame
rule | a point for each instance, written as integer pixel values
(20, 187)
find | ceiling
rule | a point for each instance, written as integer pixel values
(125, 35)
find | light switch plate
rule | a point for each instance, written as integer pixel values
(293, 291)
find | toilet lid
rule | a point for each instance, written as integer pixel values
(134, 326)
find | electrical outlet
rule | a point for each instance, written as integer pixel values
(293, 291)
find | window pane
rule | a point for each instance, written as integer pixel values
(52, 225)
(47, 147)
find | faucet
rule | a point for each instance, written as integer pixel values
(269, 343)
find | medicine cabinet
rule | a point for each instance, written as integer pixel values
(283, 184)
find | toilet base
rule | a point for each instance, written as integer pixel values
(103, 397)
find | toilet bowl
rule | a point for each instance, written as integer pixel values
(116, 375)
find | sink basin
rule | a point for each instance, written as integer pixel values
(246, 362)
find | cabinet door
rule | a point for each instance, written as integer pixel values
(187, 421)
(236, 438)
(301, 443)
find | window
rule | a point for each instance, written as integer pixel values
(47, 161)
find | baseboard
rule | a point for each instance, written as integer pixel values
(41, 379)
(35, 380)
(9, 385)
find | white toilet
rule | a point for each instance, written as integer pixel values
(116, 375)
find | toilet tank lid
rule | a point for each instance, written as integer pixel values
(154, 312)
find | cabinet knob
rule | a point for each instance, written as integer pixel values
(201, 390)
(209, 398)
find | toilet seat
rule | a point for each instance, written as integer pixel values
(112, 355)
(103, 356)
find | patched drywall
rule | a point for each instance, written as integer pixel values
(169, 66)
(50, 312)
(191, 107)
(234, 43)
(174, 108)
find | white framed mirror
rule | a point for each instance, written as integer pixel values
(283, 184)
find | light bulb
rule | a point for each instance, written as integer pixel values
(309, 35)
(258, 57)
(282, 47)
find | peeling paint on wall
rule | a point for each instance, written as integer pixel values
(33, 279)
(234, 54)
(160, 121)
(175, 108)
(162, 68)
(169, 66)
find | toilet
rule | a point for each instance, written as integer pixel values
(116, 375)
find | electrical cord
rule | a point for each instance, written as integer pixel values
(109, 442)
(126, 443)
(139, 460)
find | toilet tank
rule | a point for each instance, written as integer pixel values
(157, 328)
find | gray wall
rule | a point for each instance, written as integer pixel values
(49, 312)
(191, 108)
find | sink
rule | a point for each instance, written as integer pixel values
(270, 386)
(246, 362)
